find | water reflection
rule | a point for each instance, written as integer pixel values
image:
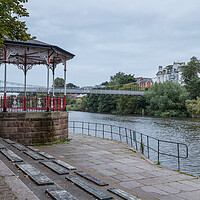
(185, 130)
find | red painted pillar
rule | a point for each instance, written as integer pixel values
(5, 76)
(48, 103)
(65, 89)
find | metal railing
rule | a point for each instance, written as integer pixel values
(32, 104)
(144, 143)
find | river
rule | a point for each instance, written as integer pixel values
(185, 130)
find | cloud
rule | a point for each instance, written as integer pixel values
(108, 36)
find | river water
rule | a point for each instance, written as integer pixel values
(185, 130)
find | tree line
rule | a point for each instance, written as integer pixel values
(162, 99)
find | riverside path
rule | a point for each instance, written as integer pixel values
(113, 162)
(122, 167)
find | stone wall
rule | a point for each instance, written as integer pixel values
(34, 128)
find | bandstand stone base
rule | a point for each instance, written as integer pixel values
(31, 128)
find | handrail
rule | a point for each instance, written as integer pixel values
(139, 141)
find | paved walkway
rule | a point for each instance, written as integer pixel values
(122, 167)
(11, 187)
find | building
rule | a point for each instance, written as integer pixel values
(170, 73)
(144, 82)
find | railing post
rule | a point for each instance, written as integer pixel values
(73, 126)
(141, 145)
(148, 145)
(131, 138)
(82, 127)
(158, 151)
(126, 135)
(95, 129)
(120, 134)
(111, 132)
(88, 128)
(178, 156)
(135, 140)
(103, 130)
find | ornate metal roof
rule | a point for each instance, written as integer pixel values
(33, 52)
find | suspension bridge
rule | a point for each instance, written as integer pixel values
(19, 88)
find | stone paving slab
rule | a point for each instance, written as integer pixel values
(19, 147)
(91, 178)
(11, 187)
(64, 164)
(33, 155)
(89, 188)
(9, 141)
(60, 194)
(33, 148)
(35, 174)
(46, 155)
(11, 155)
(122, 194)
(2, 146)
(119, 164)
(56, 168)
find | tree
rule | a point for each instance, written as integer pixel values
(166, 98)
(191, 70)
(121, 78)
(59, 82)
(193, 107)
(11, 27)
(190, 77)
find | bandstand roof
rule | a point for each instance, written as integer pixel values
(33, 52)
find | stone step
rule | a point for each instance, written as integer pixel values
(2, 146)
(11, 155)
(46, 155)
(91, 178)
(64, 164)
(35, 174)
(122, 194)
(33, 148)
(56, 168)
(19, 147)
(89, 187)
(33, 155)
(59, 194)
(9, 141)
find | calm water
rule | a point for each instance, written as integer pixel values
(185, 130)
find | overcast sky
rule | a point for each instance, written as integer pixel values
(108, 36)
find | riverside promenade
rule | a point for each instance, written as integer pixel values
(122, 167)
(113, 162)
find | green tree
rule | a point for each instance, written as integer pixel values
(193, 107)
(107, 103)
(190, 77)
(92, 102)
(166, 98)
(11, 27)
(190, 70)
(121, 78)
(59, 82)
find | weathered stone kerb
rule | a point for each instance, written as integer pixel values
(34, 128)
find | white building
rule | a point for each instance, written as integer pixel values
(170, 73)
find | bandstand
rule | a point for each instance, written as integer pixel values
(26, 55)
(23, 118)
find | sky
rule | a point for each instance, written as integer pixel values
(108, 36)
